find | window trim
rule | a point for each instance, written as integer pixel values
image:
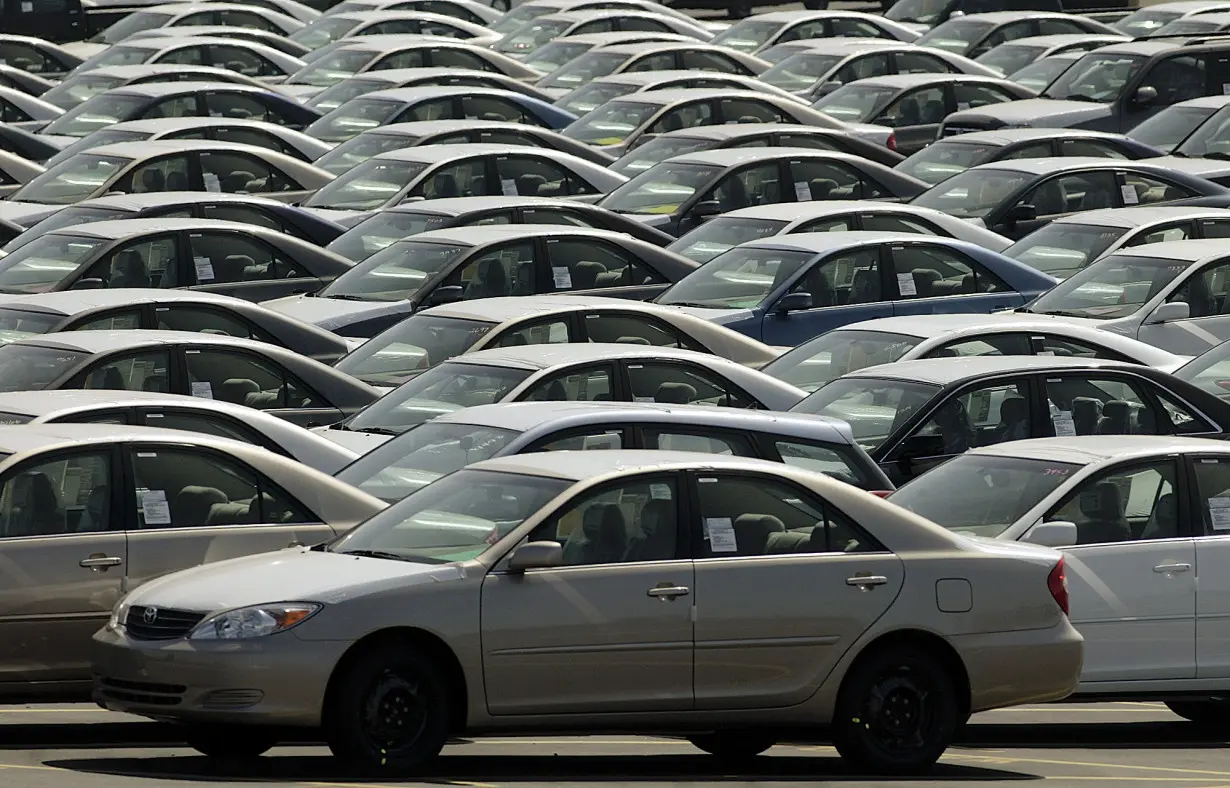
(691, 366)
(1183, 485)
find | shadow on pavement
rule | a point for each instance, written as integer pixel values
(1115, 735)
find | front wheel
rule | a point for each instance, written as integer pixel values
(388, 711)
(896, 712)
(1211, 713)
(733, 745)
(229, 742)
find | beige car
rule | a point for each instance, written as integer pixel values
(89, 511)
(729, 600)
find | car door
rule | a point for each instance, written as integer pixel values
(1208, 322)
(561, 639)
(760, 643)
(239, 172)
(819, 179)
(242, 265)
(845, 287)
(1210, 522)
(1061, 195)
(244, 378)
(634, 328)
(682, 383)
(915, 117)
(1131, 575)
(530, 175)
(149, 261)
(64, 555)
(934, 279)
(192, 505)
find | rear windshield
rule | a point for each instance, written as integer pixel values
(836, 353)
(33, 367)
(445, 388)
(873, 407)
(417, 343)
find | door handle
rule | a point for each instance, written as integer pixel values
(866, 582)
(668, 593)
(1170, 569)
(100, 563)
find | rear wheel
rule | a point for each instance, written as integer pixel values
(896, 712)
(1214, 712)
(229, 742)
(733, 745)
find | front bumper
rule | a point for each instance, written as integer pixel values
(277, 680)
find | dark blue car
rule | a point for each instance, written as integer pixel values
(788, 289)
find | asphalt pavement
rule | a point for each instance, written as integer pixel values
(1114, 745)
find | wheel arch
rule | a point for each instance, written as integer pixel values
(930, 643)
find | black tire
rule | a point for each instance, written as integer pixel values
(896, 712)
(733, 745)
(388, 711)
(1213, 713)
(230, 742)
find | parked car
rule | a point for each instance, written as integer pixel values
(598, 92)
(1150, 19)
(275, 41)
(189, 13)
(1040, 74)
(466, 263)
(1016, 53)
(323, 31)
(527, 38)
(23, 111)
(25, 144)
(648, 56)
(37, 56)
(913, 416)
(16, 171)
(1174, 124)
(764, 30)
(466, 10)
(516, 527)
(391, 78)
(97, 532)
(248, 58)
(973, 34)
(397, 467)
(72, 91)
(562, 50)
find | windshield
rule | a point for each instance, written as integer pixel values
(332, 68)
(444, 388)
(1063, 248)
(943, 159)
(118, 55)
(590, 97)
(44, 262)
(956, 35)
(384, 228)
(855, 103)
(583, 69)
(98, 112)
(367, 186)
(798, 73)
(981, 494)
(397, 272)
(421, 456)
(94, 140)
(723, 234)
(32, 367)
(923, 12)
(974, 193)
(1037, 76)
(518, 17)
(836, 353)
(532, 35)
(550, 57)
(417, 343)
(656, 150)
(611, 123)
(1115, 286)
(133, 23)
(331, 98)
(1145, 21)
(322, 31)
(352, 119)
(1008, 58)
(872, 407)
(661, 189)
(454, 519)
(1193, 24)
(59, 220)
(79, 178)
(739, 279)
(17, 324)
(1210, 371)
(1096, 77)
(76, 89)
(1169, 127)
(361, 148)
(748, 35)
(1210, 140)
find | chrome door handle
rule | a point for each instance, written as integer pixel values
(100, 562)
(666, 593)
(1167, 569)
(866, 582)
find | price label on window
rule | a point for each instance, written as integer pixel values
(1065, 425)
(905, 284)
(1129, 195)
(802, 191)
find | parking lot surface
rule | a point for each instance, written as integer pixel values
(1114, 744)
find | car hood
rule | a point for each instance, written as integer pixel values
(1031, 113)
(719, 316)
(362, 442)
(26, 214)
(84, 49)
(555, 93)
(327, 313)
(298, 574)
(301, 92)
(344, 218)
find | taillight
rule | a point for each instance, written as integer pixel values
(881, 493)
(1057, 584)
(891, 142)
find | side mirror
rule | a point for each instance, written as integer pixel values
(415, 198)
(919, 446)
(1059, 533)
(536, 555)
(115, 193)
(793, 302)
(641, 140)
(706, 208)
(1146, 94)
(88, 284)
(1168, 313)
(1023, 212)
(446, 294)
(956, 14)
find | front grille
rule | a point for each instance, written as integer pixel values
(232, 699)
(145, 692)
(160, 623)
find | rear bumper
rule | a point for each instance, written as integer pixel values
(1012, 668)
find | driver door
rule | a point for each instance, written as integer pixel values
(1208, 324)
(845, 288)
(915, 117)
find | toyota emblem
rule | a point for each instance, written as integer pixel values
(150, 615)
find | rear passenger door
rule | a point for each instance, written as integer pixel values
(187, 506)
(243, 378)
(915, 117)
(243, 266)
(933, 279)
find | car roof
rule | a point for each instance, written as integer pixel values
(547, 356)
(137, 202)
(123, 228)
(902, 81)
(651, 77)
(145, 148)
(800, 14)
(942, 371)
(1141, 215)
(793, 211)
(156, 125)
(820, 243)
(1189, 251)
(672, 95)
(71, 302)
(730, 157)
(1139, 47)
(457, 206)
(417, 92)
(500, 309)
(160, 89)
(1049, 164)
(581, 465)
(1204, 102)
(734, 130)
(32, 437)
(42, 403)
(1010, 16)
(1009, 136)
(641, 47)
(105, 341)
(1058, 39)
(1089, 449)
(418, 128)
(430, 154)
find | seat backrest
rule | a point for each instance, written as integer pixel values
(1086, 411)
(675, 393)
(865, 288)
(752, 532)
(113, 380)
(924, 281)
(955, 427)
(605, 534)
(821, 188)
(156, 383)
(656, 538)
(444, 184)
(585, 274)
(910, 114)
(191, 505)
(556, 392)
(1116, 418)
(36, 497)
(1013, 419)
(1103, 506)
(933, 112)
(1164, 520)
(236, 390)
(529, 184)
(152, 180)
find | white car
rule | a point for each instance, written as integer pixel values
(1145, 525)
(890, 339)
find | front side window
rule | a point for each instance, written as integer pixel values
(699, 440)
(820, 180)
(589, 384)
(530, 176)
(45, 262)
(590, 264)
(237, 105)
(873, 407)
(541, 332)
(168, 174)
(113, 320)
(243, 379)
(464, 179)
(931, 271)
(851, 277)
(68, 494)
(683, 384)
(225, 258)
(978, 416)
(918, 107)
(150, 262)
(440, 109)
(1204, 291)
(239, 173)
(1126, 504)
(139, 372)
(503, 271)
(1077, 192)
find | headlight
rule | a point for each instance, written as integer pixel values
(118, 614)
(254, 622)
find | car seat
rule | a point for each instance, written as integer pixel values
(732, 195)
(924, 282)
(177, 182)
(523, 278)
(491, 281)
(1050, 199)
(112, 380)
(865, 287)
(1116, 418)
(909, 114)
(152, 180)
(157, 383)
(1093, 199)
(556, 392)
(633, 341)
(1164, 520)
(1013, 420)
(1086, 412)
(955, 428)
(585, 274)
(933, 112)
(529, 184)
(1103, 507)
(236, 390)
(1199, 297)
(821, 188)
(191, 505)
(604, 535)
(34, 497)
(656, 539)
(816, 282)
(675, 393)
(444, 184)
(752, 532)
(130, 270)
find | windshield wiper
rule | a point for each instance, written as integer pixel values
(1060, 313)
(1217, 155)
(375, 554)
(373, 431)
(1074, 97)
(693, 304)
(344, 297)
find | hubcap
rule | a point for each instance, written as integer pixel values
(395, 714)
(898, 712)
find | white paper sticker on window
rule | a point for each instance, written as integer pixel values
(204, 269)
(1129, 195)
(905, 283)
(563, 277)
(1219, 513)
(643, 399)
(1065, 426)
(27, 7)
(508, 186)
(660, 492)
(962, 105)
(154, 507)
(721, 535)
(802, 191)
(1046, 352)
(605, 441)
(212, 182)
(1225, 89)
(202, 389)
